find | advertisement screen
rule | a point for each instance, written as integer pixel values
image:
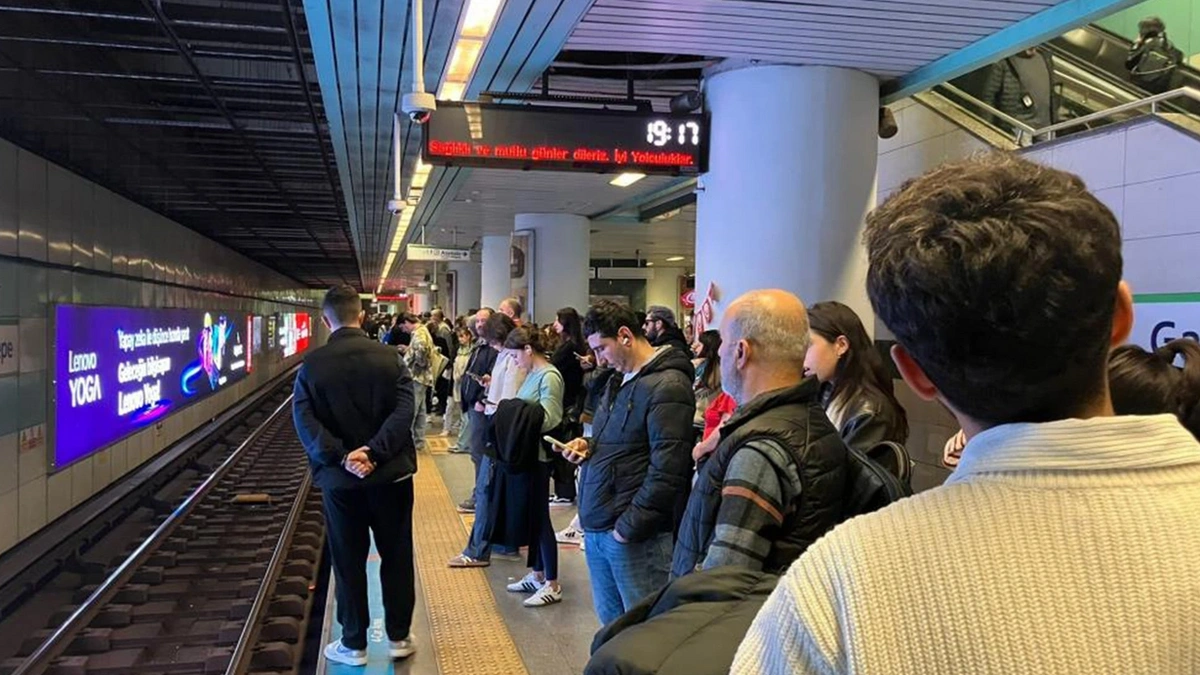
(302, 332)
(272, 320)
(256, 339)
(120, 369)
(287, 334)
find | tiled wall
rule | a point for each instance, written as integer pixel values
(64, 239)
(1147, 172)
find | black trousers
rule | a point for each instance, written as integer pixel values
(563, 472)
(350, 517)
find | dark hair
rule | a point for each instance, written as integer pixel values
(860, 371)
(342, 304)
(526, 336)
(1149, 383)
(497, 328)
(1150, 26)
(607, 317)
(410, 318)
(999, 277)
(710, 345)
(572, 327)
(515, 304)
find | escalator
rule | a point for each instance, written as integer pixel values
(1089, 77)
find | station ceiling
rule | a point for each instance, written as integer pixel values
(266, 124)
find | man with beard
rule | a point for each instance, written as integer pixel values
(776, 481)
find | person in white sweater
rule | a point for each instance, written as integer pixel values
(1068, 539)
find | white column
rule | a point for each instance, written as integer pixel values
(467, 286)
(420, 301)
(663, 290)
(494, 270)
(561, 244)
(791, 177)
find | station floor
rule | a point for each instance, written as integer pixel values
(466, 623)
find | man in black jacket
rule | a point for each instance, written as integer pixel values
(638, 461)
(471, 392)
(776, 481)
(353, 410)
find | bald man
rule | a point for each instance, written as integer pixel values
(775, 481)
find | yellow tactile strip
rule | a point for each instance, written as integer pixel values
(469, 634)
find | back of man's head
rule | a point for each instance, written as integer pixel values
(512, 307)
(774, 323)
(341, 306)
(999, 277)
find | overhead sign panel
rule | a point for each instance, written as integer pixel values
(565, 139)
(435, 253)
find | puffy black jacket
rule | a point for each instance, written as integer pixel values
(672, 336)
(641, 451)
(480, 363)
(693, 626)
(793, 418)
(355, 392)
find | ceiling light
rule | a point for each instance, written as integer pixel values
(477, 22)
(675, 258)
(649, 264)
(626, 179)
(466, 53)
(452, 91)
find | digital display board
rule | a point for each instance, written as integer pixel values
(530, 137)
(120, 369)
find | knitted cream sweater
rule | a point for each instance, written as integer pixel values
(1068, 547)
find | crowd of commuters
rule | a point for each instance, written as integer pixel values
(719, 480)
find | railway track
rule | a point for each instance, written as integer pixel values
(220, 582)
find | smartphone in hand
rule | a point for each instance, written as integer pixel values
(563, 446)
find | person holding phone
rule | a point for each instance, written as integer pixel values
(568, 359)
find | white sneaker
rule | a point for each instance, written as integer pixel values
(339, 653)
(569, 535)
(402, 649)
(546, 595)
(582, 544)
(527, 584)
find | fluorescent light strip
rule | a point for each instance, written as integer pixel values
(675, 258)
(626, 179)
(479, 17)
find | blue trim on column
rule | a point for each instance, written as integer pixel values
(1028, 32)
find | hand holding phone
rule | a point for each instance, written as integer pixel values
(572, 451)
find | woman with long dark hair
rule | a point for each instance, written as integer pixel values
(857, 389)
(708, 371)
(567, 359)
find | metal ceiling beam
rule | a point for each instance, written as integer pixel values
(164, 24)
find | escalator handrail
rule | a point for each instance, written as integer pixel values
(1022, 127)
(1152, 101)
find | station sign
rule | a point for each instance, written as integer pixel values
(118, 370)
(10, 339)
(565, 139)
(1160, 318)
(434, 253)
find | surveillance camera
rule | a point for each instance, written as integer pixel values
(419, 106)
(433, 287)
(395, 206)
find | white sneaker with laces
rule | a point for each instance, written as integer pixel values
(402, 649)
(546, 595)
(569, 535)
(527, 584)
(339, 653)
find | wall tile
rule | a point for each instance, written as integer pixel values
(1163, 264)
(8, 459)
(81, 480)
(10, 291)
(1098, 159)
(101, 469)
(59, 213)
(1155, 150)
(10, 395)
(60, 286)
(102, 227)
(1161, 207)
(58, 495)
(959, 144)
(120, 460)
(9, 211)
(1114, 199)
(31, 199)
(33, 399)
(9, 526)
(921, 124)
(32, 291)
(32, 348)
(83, 224)
(31, 464)
(31, 506)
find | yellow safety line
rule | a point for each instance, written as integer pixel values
(469, 633)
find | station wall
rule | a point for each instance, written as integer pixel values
(1146, 171)
(64, 239)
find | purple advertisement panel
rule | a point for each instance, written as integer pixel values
(119, 369)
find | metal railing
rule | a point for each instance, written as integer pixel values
(40, 660)
(1024, 134)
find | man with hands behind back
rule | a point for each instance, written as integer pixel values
(353, 410)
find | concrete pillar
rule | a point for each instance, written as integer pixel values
(420, 301)
(663, 290)
(792, 175)
(468, 286)
(494, 270)
(561, 244)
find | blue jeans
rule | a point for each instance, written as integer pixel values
(624, 574)
(420, 418)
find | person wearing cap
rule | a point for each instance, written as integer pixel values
(662, 331)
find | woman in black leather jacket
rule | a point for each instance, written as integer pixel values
(856, 388)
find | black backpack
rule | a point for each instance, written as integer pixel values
(1159, 61)
(876, 478)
